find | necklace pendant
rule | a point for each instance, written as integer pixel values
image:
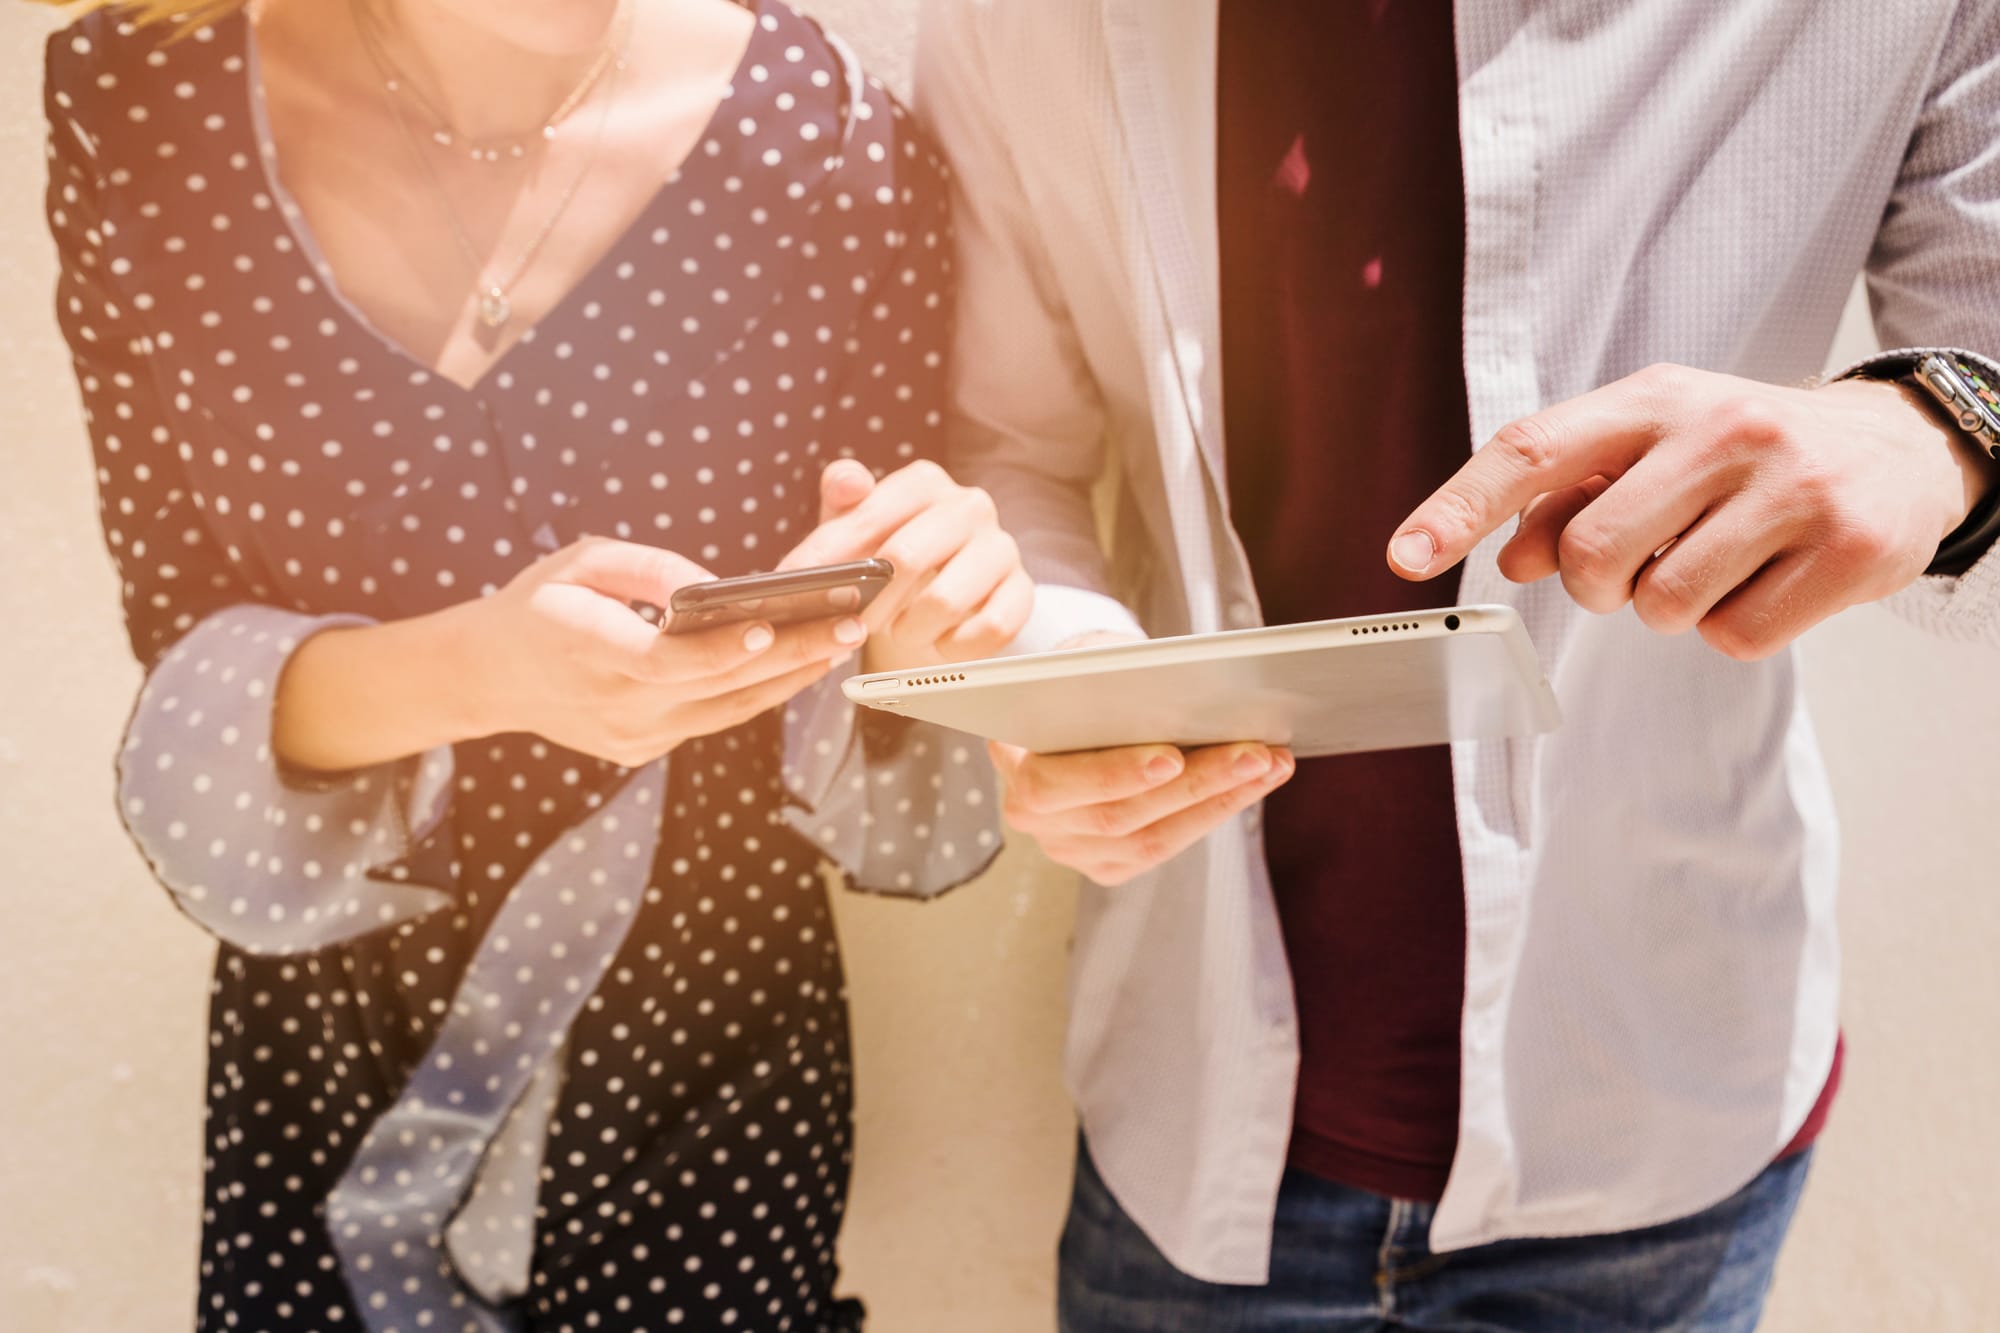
(494, 308)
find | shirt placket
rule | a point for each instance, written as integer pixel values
(1497, 127)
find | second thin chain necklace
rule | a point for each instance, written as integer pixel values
(495, 286)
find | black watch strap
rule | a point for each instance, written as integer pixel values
(1965, 389)
(1964, 544)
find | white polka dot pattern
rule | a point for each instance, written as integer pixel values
(417, 1162)
(907, 809)
(491, 1238)
(566, 1042)
(271, 866)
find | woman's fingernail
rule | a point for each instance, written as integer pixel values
(1413, 551)
(757, 638)
(1253, 763)
(1162, 766)
(849, 631)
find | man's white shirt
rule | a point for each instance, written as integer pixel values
(1652, 971)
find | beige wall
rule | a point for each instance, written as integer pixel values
(964, 1134)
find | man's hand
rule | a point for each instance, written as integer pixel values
(1114, 814)
(1745, 511)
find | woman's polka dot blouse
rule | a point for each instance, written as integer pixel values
(504, 1037)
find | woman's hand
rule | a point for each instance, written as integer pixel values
(567, 659)
(959, 592)
(558, 652)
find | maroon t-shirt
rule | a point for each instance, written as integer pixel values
(1342, 216)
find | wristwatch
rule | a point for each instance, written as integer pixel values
(1962, 387)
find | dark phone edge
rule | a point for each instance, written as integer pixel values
(703, 596)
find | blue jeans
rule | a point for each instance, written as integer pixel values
(1345, 1261)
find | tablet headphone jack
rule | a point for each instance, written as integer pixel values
(1451, 622)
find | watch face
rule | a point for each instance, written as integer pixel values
(1966, 393)
(1980, 388)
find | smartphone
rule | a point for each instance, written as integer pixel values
(781, 598)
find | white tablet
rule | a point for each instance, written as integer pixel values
(1328, 687)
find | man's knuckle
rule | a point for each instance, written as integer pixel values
(1663, 382)
(1856, 542)
(1746, 420)
(1666, 599)
(1108, 819)
(1717, 451)
(1204, 777)
(1455, 516)
(1107, 781)
(1531, 444)
(1733, 636)
(1587, 551)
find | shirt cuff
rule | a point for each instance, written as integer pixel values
(1062, 613)
(265, 863)
(1964, 606)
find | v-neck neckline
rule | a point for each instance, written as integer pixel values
(293, 221)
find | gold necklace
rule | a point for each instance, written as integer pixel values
(495, 307)
(445, 134)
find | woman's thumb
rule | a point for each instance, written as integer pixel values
(845, 483)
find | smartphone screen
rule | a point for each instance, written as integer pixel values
(780, 598)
